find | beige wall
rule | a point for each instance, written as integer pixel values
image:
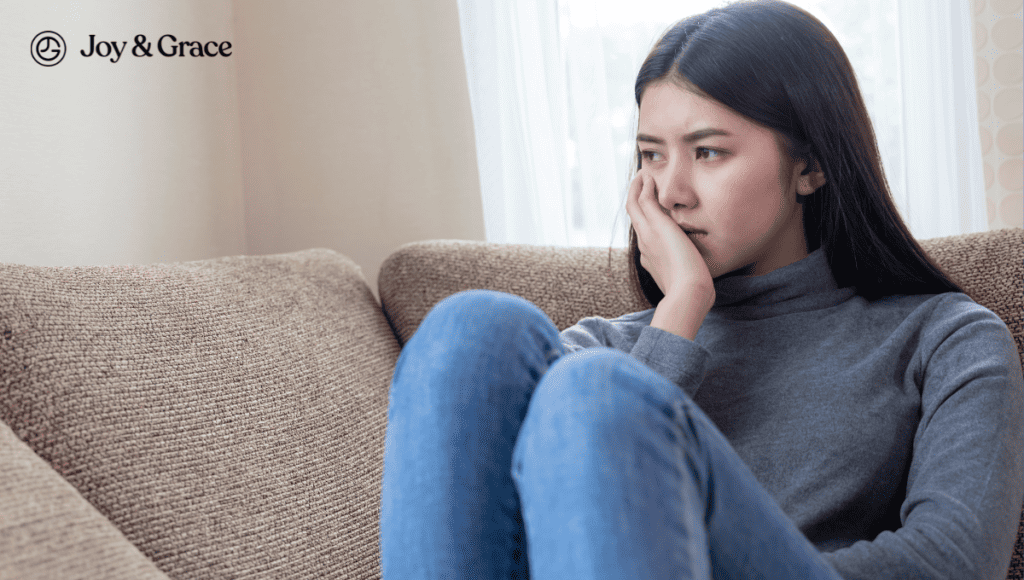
(998, 65)
(356, 127)
(336, 124)
(106, 163)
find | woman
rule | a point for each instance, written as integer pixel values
(808, 397)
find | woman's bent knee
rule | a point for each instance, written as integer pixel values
(605, 393)
(477, 344)
(603, 371)
(476, 314)
(596, 410)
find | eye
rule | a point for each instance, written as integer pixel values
(650, 155)
(705, 153)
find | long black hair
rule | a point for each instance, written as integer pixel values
(780, 67)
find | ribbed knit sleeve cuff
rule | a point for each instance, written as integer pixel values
(678, 359)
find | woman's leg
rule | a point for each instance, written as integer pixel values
(621, 475)
(458, 398)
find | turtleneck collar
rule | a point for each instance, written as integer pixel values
(804, 285)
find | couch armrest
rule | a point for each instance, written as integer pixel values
(48, 530)
(226, 415)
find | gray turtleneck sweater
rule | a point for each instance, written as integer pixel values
(890, 431)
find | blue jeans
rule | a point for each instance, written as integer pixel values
(508, 458)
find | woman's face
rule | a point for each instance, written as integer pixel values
(721, 174)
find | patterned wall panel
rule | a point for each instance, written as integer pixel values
(999, 67)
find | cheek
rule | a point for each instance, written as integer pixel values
(763, 189)
(746, 201)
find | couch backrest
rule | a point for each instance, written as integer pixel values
(566, 283)
(571, 283)
(227, 416)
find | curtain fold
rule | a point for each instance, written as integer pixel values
(518, 98)
(943, 191)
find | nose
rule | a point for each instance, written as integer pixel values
(675, 190)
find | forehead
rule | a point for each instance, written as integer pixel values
(669, 107)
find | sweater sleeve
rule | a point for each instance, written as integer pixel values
(675, 358)
(960, 515)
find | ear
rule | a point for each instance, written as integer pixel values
(808, 181)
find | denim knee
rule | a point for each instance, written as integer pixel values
(471, 335)
(601, 396)
(474, 314)
(601, 473)
(611, 382)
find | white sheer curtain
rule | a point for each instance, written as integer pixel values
(943, 190)
(551, 88)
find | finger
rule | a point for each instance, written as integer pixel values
(654, 215)
(636, 212)
(635, 188)
(641, 243)
(648, 199)
(636, 194)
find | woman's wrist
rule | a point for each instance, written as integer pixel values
(682, 315)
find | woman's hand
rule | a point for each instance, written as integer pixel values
(667, 253)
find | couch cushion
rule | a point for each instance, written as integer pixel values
(227, 415)
(48, 530)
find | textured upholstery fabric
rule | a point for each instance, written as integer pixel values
(571, 283)
(47, 530)
(566, 283)
(990, 268)
(227, 415)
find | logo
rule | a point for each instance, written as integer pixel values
(48, 48)
(168, 45)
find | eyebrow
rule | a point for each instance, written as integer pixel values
(688, 138)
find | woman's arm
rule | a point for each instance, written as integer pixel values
(964, 487)
(678, 359)
(672, 260)
(662, 340)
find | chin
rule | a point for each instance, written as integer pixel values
(720, 270)
(747, 270)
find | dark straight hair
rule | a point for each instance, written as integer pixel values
(780, 67)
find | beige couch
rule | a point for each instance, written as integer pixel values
(225, 418)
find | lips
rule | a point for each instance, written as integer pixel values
(691, 229)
